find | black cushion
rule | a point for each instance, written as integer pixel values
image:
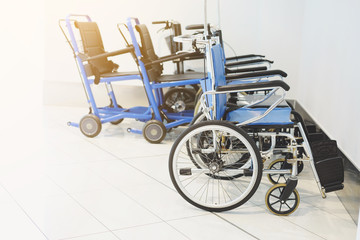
(148, 52)
(118, 74)
(179, 77)
(93, 45)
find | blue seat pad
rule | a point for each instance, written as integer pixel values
(278, 116)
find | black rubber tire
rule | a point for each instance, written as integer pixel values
(90, 125)
(232, 127)
(117, 121)
(154, 131)
(186, 95)
(295, 197)
(281, 161)
(197, 116)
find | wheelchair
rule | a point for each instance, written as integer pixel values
(217, 164)
(236, 68)
(95, 68)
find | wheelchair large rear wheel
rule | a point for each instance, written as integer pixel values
(210, 176)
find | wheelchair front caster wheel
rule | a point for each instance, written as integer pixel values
(90, 125)
(281, 207)
(116, 122)
(276, 165)
(280, 163)
(154, 131)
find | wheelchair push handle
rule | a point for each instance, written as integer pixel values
(68, 17)
(197, 27)
(160, 22)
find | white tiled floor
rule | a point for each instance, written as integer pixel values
(116, 186)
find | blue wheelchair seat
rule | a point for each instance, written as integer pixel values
(278, 116)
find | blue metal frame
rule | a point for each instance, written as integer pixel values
(153, 90)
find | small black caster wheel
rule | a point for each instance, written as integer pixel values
(117, 121)
(90, 125)
(280, 163)
(154, 131)
(281, 207)
(179, 99)
(276, 178)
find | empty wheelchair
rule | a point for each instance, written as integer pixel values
(217, 164)
(94, 67)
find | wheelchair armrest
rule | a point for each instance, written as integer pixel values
(268, 73)
(248, 86)
(242, 70)
(170, 57)
(194, 56)
(244, 56)
(239, 63)
(196, 27)
(111, 54)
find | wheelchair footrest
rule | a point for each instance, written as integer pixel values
(329, 165)
(333, 188)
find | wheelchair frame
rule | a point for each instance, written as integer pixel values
(153, 115)
(298, 148)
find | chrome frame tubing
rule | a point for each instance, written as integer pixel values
(213, 92)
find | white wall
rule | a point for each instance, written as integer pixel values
(329, 83)
(315, 41)
(22, 74)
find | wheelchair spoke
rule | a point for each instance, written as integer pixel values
(274, 196)
(275, 202)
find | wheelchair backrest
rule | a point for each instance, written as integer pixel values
(219, 80)
(93, 45)
(148, 52)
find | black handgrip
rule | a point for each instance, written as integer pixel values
(159, 22)
(197, 27)
(194, 27)
(244, 56)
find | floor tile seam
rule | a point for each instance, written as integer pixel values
(133, 199)
(132, 166)
(285, 218)
(325, 210)
(79, 163)
(306, 230)
(23, 210)
(154, 155)
(83, 207)
(288, 220)
(143, 225)
(234, 225)
(84, 235)
(177, 230)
